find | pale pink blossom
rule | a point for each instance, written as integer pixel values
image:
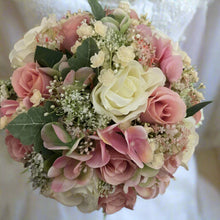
(117, 200)
(132, 142)
(139, 149)
(164, 107)
(68, 173)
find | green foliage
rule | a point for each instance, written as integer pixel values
(27, 126)
(47, 57)
(97, 9)
(192, 110)
(83, 54)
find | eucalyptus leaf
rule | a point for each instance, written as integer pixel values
(83, 54)
(97, 9)
(27, 126)
(192, 110)
(47, 57)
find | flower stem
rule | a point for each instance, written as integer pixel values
(104, 216)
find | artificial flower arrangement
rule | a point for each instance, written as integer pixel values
(101, 108)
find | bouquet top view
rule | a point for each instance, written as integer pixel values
(101, 108)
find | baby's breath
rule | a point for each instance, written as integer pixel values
(35, 164)
(79, 111)
(105, 189)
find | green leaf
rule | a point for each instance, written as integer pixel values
(192, 110)
(27, 126)
(64, 72)
(49, 161)
(83, 54)
(47, 57)
(97, 9)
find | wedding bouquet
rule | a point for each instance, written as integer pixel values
(101, 108)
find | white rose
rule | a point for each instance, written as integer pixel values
(125, 55)
(126, 96)
(100, 28)
(24, 49)
(98, 59)
(193, 140)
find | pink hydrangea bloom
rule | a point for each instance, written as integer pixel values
(67, 173)
(117, 200)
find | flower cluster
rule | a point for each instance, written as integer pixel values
(101, 108)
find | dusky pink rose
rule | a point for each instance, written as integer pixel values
(69, 28)
(172, 67)
(16, 150)
(118, 170)
(67, 173)
(133, 14)
(163, 48)
(8, 108)
(117, 200)
(27, 78)
(197, 116)
(164, 107)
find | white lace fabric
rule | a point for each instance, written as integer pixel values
(170, 16)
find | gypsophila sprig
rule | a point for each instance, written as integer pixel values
(79, 110)
(101, 108)
(35, 164)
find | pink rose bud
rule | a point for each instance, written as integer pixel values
(117, 200)
(164, 107)
(8, 108)
(172, 67)
(16, 150)
(133, 14)
(198, 117)
(26, 79)
(69, 28)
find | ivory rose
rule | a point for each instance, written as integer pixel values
(117, 200)
(126, 96)
(16, 150)
(69, 30)
(164, 107)
(118, 170)
(24, 49)
(28, 78)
